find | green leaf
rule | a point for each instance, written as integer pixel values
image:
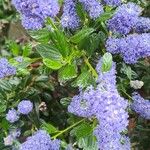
(26, 50)
(65, 101)
(48, 51)
(88, 143)
(60, 41)
(67, 73)
(82, 130)
(42, 35)
(14, 47)
(53, 64)
(3, 106)
(107, 62)
(91, 43)
(83, 80)
(49, 128)
(80, 11)
(105, 16)
(58, 38)
(81, 35)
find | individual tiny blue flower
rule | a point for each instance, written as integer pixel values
(19, 59)
(142, 25)
(49, 8)
(125, 18)
(93, 7)
(40, 141)
(113, 2)
(32, 22)
(70, 19)
(141, 106)
(25, 107)
(12, 116)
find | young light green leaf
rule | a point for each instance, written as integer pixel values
(106, 62)
(53, 64)
(88, 143)
(67, 73)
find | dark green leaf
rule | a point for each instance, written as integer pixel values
(42, 35)
(49, 51)
(81, 35)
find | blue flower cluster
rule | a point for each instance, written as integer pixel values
(141, 106)
(12, 116)
(40, 141)
(24, 107)
(125, 18)
(6, 69)
(104, 103)
(34, 12)
(113, 2)
(131, 48)
(93, 7)
(70, 18)
(142, 25)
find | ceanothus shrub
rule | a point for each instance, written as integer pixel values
(73, 84)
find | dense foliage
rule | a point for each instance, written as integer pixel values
(74, 74)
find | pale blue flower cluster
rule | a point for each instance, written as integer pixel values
(40, 141)
(6, 69)
(131, 48)
(141, 106)
(25, 107)
(104, 103)
(34, 12)
(125, 18)
(12, 116)
(93, 7)
(113, 120)
(142, 25)
(70, 19)
(113, 2)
